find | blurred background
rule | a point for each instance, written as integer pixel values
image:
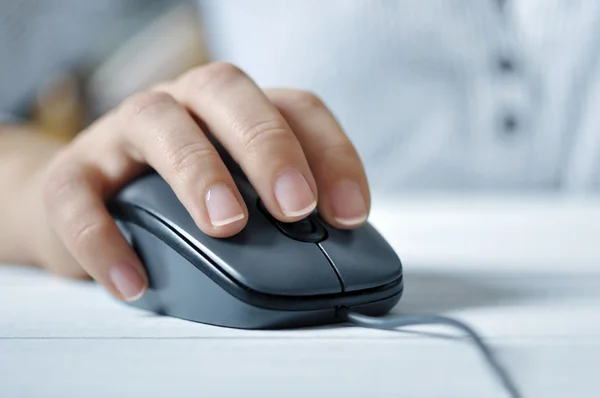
(65, 62)
(444, 99)
(450, 95)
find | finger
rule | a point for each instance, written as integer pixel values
(45, 246)
(161, 132)
(344, 199)
(256, 135)
(56, 258)
(76, 211)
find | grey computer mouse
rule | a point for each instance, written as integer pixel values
(270, 275)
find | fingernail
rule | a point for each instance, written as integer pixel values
(222, 205)
(349, 206)
(293, 194)
(128, 281)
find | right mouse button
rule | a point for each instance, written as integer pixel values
(362, 257)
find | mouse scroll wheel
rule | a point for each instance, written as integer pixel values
(306, 230)
(304, 226)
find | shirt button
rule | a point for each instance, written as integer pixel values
(510, 124)
(506, 65)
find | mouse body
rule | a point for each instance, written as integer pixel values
(271, 275)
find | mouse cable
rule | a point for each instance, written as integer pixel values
(393, 322)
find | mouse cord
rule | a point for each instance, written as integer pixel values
(390, 323)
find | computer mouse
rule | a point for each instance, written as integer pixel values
(271, 275)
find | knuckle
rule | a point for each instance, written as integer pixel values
(215, 73)
(340, 150)
(223, 70)
(83, 230)
(146, 103)
(187, 158)
(262, 132)
(306, 100)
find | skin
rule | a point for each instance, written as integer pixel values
(291, 147)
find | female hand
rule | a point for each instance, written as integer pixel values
(287, 142)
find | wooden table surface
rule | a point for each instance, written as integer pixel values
(525, 272)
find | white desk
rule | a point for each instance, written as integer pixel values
(526, 273)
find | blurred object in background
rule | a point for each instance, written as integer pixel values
(167, 47)
(59, 109)
(163, 45)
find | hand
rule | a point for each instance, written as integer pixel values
(287, 143)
